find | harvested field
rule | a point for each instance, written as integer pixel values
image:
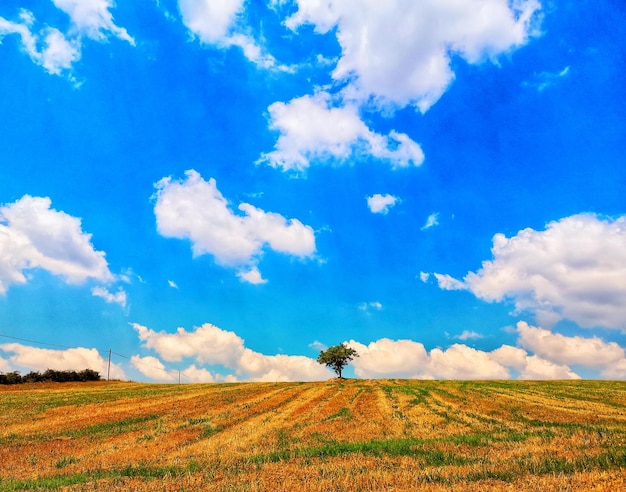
(334, 435)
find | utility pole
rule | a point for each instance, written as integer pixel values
(109, 369)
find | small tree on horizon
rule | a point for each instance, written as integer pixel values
(337, 357)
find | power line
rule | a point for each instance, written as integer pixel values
(35, 341)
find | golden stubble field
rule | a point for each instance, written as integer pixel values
(327, 436)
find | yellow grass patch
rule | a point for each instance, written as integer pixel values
(335, 435)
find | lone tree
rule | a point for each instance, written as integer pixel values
(337, 357)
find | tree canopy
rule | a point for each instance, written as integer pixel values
(337, 357)
(50, 375)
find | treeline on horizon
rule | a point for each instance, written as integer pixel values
(50, 376)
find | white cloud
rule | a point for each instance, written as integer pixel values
(380, 204)
(531, 366)
(367, 306)
(211, 345)
(463, 362)
(424, 276)
(616, 371)
(39, 359)
(194, 209)
(255, 53)
(48, 48)
(199, 375)
(210, 20)
(412, 67)
(260, 367)
(539, 368)
(219, 23)
(431, 221)
(4, 365)
(540, 355)
(388, 358)
(311, 128)
(446, 282)
(172, 284)
(575, 269)
(535, 358)
(92, 18)
(468, 335)
(316, 345)
(55, 51)
(207, 344)
(509, 356)
(544, 80)
(33, 235)
(152, 368)
(112, 298)
(588, 352)
(377, 70)
(252, 276)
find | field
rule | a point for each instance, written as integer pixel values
(334, 435)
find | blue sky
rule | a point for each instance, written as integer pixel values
(226, 188)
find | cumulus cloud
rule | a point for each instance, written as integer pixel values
(34, 235)
(412, 67)
(210, 20)
(408, 359)
(39, 359)
(513, 357)
(252, 276)
(172, 284)
(390, 358)
(211, 345)
(194, 209)
(152, 368)
(55, 51)
(446, 282)
(118, 297)
(616, 371)
(48, 47)
(311, 128)
(588, 352)
(380, 204)
(383, 72)
(317, 345)
(431, 221)
(468, 335)
(200, 375)
(540, 354)
(219, 23)
(574, 269)
(463, 362)
(539, 368)
(93, 18)
(4, 365)
(207, 344)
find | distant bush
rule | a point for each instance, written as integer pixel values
(49, 375)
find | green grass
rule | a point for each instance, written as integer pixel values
(113, 428)
(391, 447)
(343, 413)
(57, 482)
(66, 461)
